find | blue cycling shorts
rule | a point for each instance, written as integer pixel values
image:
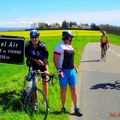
(70, 77)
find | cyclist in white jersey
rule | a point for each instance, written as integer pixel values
(64, 63)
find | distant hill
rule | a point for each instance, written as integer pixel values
(13, 29)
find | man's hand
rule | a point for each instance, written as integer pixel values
(39, 62)
(75, 69)
(61, 73)
(46, 72)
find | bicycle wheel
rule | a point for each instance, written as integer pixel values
(24, 90)
(28, 102)
(105, 55)
(117, 84)
(42, 109)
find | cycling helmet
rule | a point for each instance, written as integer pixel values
(34, 34)
(67, 33)
(104, 32)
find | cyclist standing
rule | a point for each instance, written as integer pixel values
(104, 42)
(64, 63)
(37, 54)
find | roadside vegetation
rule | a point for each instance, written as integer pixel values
(12, 76)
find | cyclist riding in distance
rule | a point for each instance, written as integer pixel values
(104, 42)
(37, 55)
(64, 62)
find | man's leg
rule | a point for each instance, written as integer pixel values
(45, 87)
(63, 96)
(74, 99)
(63, 99)
(74, 95)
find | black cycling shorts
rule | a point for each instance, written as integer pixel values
(104, 46)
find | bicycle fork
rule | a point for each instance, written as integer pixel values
(35, 92)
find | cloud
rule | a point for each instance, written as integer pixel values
(103, 17)
(16, 24)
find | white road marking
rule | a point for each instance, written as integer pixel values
(114, 52)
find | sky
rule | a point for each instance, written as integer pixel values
(22, 13)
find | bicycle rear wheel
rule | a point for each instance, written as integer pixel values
(42, 109)
(103, 55)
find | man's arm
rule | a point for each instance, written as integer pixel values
(56, 60)
(46, 64)
(39, 62)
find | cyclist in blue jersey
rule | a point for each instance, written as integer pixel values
(37, 55)
(64, 63)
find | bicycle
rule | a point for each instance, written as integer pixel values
(103, 52)
(34, 94)
(117, 84)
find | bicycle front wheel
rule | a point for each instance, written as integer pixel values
(41, 109)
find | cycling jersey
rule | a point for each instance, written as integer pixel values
(40, 52)
(104, 39)
(66, 53)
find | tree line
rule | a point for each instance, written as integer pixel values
(65, 25)
(110, 29)
(74, 25)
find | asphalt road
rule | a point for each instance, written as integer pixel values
(98, 93)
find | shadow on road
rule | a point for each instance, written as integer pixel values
(84, 61)
(106, 86)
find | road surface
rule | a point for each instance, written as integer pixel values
(98, 93)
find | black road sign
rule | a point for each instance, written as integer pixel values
(12, 49)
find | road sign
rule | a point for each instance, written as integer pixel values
(12, 49)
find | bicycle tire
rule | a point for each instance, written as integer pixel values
(103, 55)
(42, 110)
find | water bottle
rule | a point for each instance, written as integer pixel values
(29, 79)
(30, 84)
(29, 76)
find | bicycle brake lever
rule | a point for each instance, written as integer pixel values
(50, 78)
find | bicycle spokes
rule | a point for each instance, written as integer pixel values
(37, 106)
(103, 55)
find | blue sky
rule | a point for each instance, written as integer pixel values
(22, 13)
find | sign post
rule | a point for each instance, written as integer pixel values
(12, 49)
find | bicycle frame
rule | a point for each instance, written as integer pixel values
(36, 95)
(103, 53)
(34, 78)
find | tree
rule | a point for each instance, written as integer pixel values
(65, 24)
(94, 27)
(73, 24)
(110, 29)
(42, 25)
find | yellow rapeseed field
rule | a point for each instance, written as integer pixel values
(45, 33)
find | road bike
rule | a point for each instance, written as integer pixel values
(35, 95)
(117, 84)
(103, 52)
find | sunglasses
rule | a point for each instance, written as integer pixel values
(34, 37)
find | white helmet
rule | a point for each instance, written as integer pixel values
(67, 33)
(104, 32)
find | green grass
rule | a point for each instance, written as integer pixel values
(115, 39)
(12, 76)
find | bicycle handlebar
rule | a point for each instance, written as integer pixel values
(42, 73)
(38, 72)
